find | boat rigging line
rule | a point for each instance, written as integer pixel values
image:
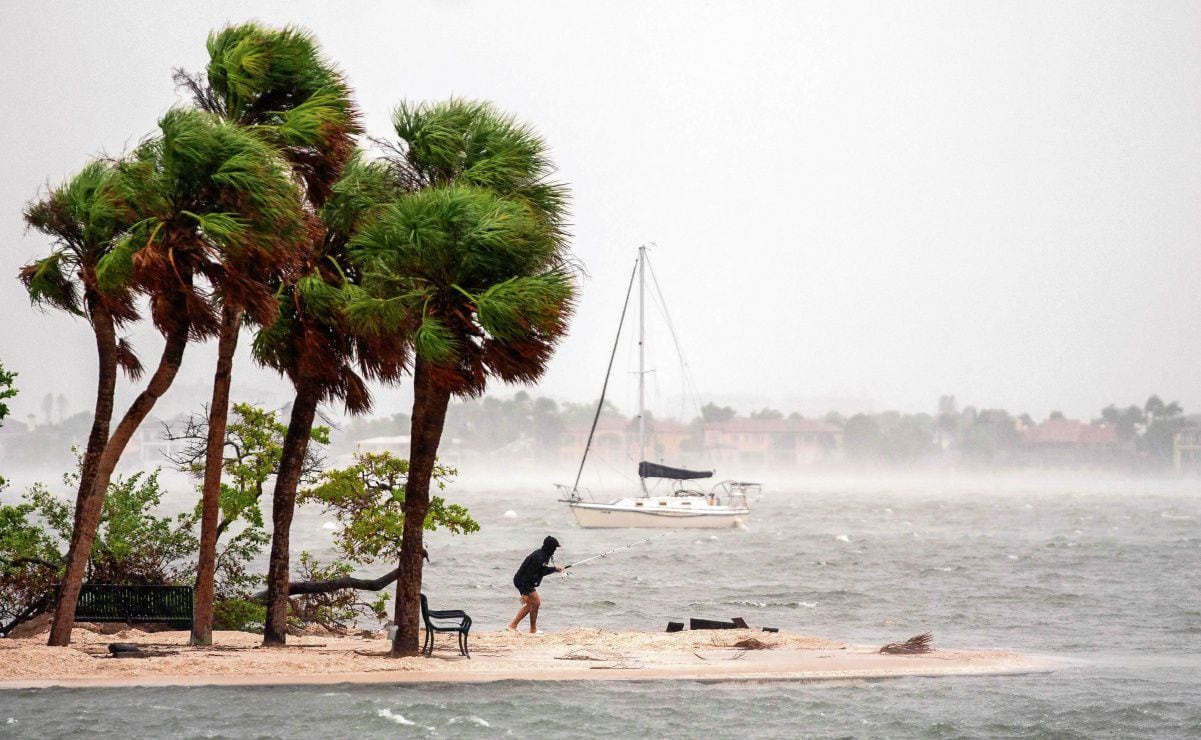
(600, 405)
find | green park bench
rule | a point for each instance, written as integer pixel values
(170, 605)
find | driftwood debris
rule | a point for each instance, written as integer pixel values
(582, 654)
(923, 643)
(619, 667)
(618, 660)
(131, 650)
(753, 643)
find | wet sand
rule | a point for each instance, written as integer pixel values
(574, 654)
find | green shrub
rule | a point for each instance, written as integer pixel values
(239, 615)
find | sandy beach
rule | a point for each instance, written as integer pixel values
(575, 654)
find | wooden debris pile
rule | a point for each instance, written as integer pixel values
(923, 643)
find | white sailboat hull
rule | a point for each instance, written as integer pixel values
(626, 513)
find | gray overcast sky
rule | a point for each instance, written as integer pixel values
(879, 201)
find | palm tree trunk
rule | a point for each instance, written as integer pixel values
(87, 512)
(429, 415)
(283, 505)
(106, 352)
(214, 458)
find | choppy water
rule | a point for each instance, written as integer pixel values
(1109, 580)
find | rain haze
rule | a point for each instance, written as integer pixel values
(922, 360)
(862, 206)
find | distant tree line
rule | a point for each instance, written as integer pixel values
(976, 436)
(994, 435)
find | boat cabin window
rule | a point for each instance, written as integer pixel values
(663, 503)
(638, 503)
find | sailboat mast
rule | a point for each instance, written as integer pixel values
(642, 359)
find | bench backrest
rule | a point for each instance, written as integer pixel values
(108, 603)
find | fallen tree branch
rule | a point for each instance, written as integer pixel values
(29, 613)
(301, 588)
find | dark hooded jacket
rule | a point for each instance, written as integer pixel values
(534, 567)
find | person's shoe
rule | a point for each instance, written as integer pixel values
(535, 634)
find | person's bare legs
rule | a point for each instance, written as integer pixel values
(532, 603)
(524, 610)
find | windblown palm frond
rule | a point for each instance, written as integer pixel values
(471, 143)
(212, 200)
(276, 82)
(48, 284)
(85, 218)
(468, 268)
(363, 189)
(923, 643)
(313, 337)
(128, 360)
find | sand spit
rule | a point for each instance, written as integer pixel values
(575, 654)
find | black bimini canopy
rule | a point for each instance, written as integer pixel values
(655, 470)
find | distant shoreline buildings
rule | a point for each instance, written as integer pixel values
(527, 431)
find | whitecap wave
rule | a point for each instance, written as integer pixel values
(400, 719)
(477, 721)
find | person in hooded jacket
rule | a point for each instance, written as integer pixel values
(529, 577)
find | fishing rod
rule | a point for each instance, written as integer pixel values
(616, 549)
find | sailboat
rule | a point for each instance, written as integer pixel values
(688, 505)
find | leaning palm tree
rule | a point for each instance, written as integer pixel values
(84, 217)
(469, 269)
(312, 344)
(199, 192)
(275, 83)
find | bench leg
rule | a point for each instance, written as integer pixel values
(428, 648)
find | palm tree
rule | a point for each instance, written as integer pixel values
(84, 217)
(200, 193)
(275, 83)
(313, 345)
(1153, 409)
(469, 271)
